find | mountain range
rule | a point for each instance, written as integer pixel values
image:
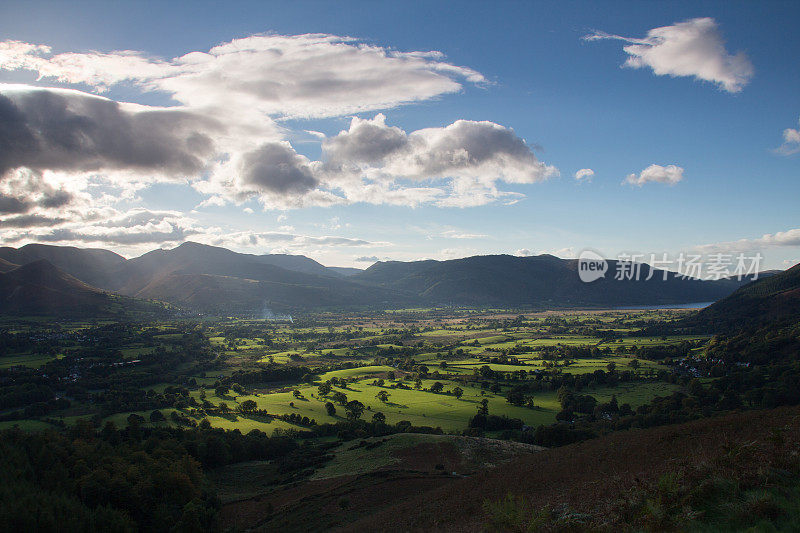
(39, 288)
(218, 281)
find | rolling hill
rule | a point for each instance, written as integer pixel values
(774, 299)
(217, 280)
(39, 288)
(90, 265)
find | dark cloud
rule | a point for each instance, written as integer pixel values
(72, 131)
(121, 237)
(11, 205)
(277, 168)
(31, 221)
(55, 199)
(368, 141)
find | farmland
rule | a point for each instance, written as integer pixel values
(426, 368)
(336, 418)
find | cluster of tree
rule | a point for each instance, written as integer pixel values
(78, 481)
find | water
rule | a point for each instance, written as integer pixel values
(694, 305)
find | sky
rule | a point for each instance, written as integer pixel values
(353, 132)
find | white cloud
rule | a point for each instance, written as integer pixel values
(781, 239)
(791, 142)
(458, 234)
(214, 201)
(317, 134)
(670, 174)
(70, 159)
(563, 253)
(312, 75)
(691, 48)
(456, 253)
(523, 252)
(584, 174)
(373, 162)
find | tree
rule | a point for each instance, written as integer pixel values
(157, 416)
(634, 364)
(418, 384)
(458, 392)
(383, 396)
(611, 366)
(223, 407)
(339, 397)
(330, 408)
(324, 388)
(483, 409)
(354, 409)
(221, 390)
(379, 418)
(437, 387)
(297, 393)
(247, 406)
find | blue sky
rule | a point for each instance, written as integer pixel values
(524, 67)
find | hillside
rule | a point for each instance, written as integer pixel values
(428, 486)
(538, 281)
(6, 266)
(90, 265)
(39, 288)
(216, 280)
(774, 299)
(245, 296)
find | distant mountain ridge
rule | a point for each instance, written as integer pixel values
(40, 288)
(505, 280)
(216, 280)
(90, 265)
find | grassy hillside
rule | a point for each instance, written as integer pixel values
(775, 299)
(627, 481)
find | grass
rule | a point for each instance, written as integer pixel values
(29, 360)
(26, 425)
(423, 408)
(352, 461)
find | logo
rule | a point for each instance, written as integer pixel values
(591, 266)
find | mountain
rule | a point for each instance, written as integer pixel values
(537, 281)
(6, 266)
(194, 258)
(774, 299)
(297, 263)
(40, 288)
(90, 265)
(346, 271)
(218, 280)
